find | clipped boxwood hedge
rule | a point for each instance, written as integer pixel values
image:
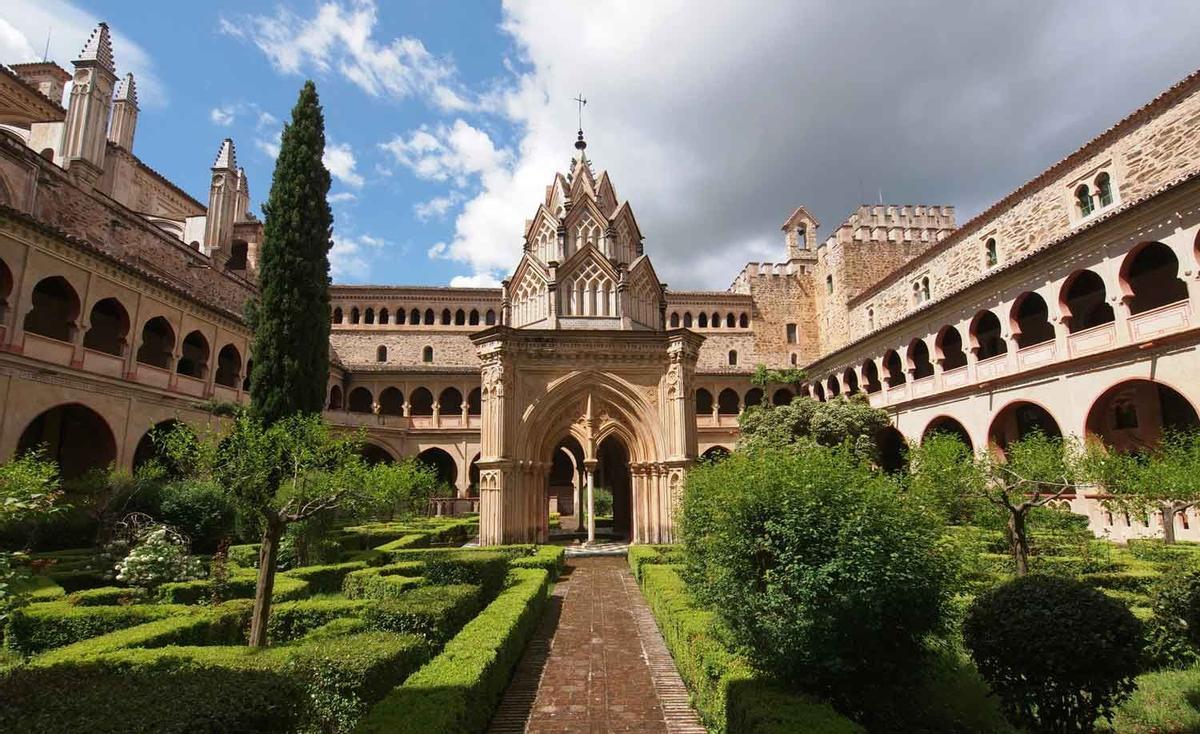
(40, 627)
(552, 558)
(484, 568)
(365, 583)
(239, 586)
(459, 689)
(434, 612)
(728, 695)
(104, 596)
(322, 685)
(325, 579)
(294, 619)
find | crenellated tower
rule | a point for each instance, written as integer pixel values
(583, 266)
(86, 132)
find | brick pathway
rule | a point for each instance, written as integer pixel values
(597, 664)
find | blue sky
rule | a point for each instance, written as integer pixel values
(446, 120)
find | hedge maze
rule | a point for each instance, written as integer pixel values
(401, 633)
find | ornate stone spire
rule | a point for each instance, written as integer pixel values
(98, 49)
(226, 157)
(127, 91)
(124, 113)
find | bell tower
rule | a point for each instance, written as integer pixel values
(86, 132)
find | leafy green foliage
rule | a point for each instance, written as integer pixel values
(842, 421)
(433, 612)
(40, 627)
(1175, 626)
(817, 565)
(29, 490)
(764, 377)
(291, 316)
(941, 477)
(1053, 673)
(200, 509)
(397, 490)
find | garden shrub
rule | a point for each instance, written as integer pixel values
(726, 691)
(433, 612)
(200, 509)
(552, 558)
(457, 691)
(485, 568)
(239, 585)
(40, 627)
(339, 627)
(1174, 636)
(106, 596)
(323, 685)
(366, 583)
(789, 549)
(1156, 551)
(294, 619)
(160, 556)
(1057, 652)
(403, 543)
(222, 625)
(244, 555)
(326, 579)
(40, 588)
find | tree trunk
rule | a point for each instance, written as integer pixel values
(1168, 515)
(268, 554)
(1018, 541)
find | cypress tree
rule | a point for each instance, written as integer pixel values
(291, 317)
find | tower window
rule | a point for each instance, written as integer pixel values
(793, 359)
(1083, 199)
(802, 237)
(829, 284)
(381, 354)
(870, 319)
(993, 256)
(791, 334)
(733, 358)
(920, 291)
(1104, 189)
(427, 354)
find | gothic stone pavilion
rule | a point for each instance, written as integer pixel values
(1071, 305)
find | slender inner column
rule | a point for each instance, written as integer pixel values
(591, 504)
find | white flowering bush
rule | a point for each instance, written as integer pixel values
(160, 556)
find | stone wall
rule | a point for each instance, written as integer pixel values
(357, 348)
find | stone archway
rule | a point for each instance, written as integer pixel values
(76, 437)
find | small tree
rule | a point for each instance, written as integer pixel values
(836, 422)
(291, 317)
(1163, 477)
(1051, 672)
(943, 478)
(288, 472)
(29, 490)
(399, 489)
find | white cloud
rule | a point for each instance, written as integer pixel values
(223, 116)
(437, 207)
(339, 159)
(27, 24)
(478, 280)
(270, 146)
(265, 120)
(342, 197)
(340, 38)
(454, 153)
(350, 257)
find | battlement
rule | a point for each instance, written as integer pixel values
(896, 223)
(741, 284)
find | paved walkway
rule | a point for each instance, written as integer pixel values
(597, 663)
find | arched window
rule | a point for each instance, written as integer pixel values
(674, 320)
(893, 368)
(730, 321)
(704, 402)
(829, 284)
(475, 402)
(420, 402)
(687, 319)
(1084, 302)
(1104, 189)
(702, 321)
(337, 315)
(489, 318)
(949, 345)
(1083, 200)
(446, 318)
(414, 317)
(991, 253)
(918, 357)
(383, 316)
(401, 316)
(850, 380)
(238, 252)
(870, 319)
(158, 343)
(1151, 275)
(744, 321)
(1031, 321)
(985, 331)
(871, 376)
(429, 317)
(360, 400)
(782, 396)
(427, 354)
(727, 402)
(55, 309)
(833, 386)
(381, 353)
(754, 396)
(229, 366)
(733, 358)
(460, 318)
(354, 315)
(110, 327)
(335, 398)
(473, 317)
(391, 401)
(715, 321)
(794, 359)
(818, 392)
(369, 316)
(193, 361)
(450, 401)
(792, 333)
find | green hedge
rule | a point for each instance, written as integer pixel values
(434, 612)
(403, 543)
(240, 585)
(323, 685)
(222, 625)
(551, 558)
(459, 689)
(366, 583)
(40, 627)
(245, 555)
(325, 579)
(40, 588)
(1136, 578)
(78, 579)
(484, 568)
(725, 691)
(294, 619)
(105, 596)
(643, 555)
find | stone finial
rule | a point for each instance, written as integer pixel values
(98, 49)
(127, 91)
(243, 184)
(226, 157)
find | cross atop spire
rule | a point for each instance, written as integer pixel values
(99, 49)
(226, 156)
(580, 143)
